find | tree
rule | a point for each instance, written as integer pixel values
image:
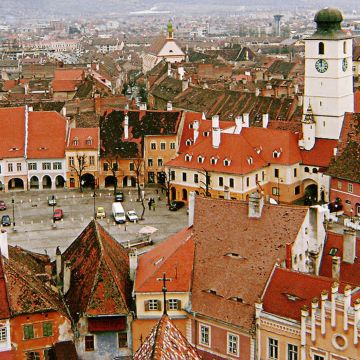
(113, 166)
(79, 165)
(165, 179)
(139, 172)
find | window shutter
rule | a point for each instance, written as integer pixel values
(159, 305)
(179, 304)
(146, 304)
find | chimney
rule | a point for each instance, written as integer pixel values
(215, 123)
(143, 106)
(256, 203)
(226, 193)
(196, 130)
(191, 208)
(4, 247)
(349, 245)
(203, 116)
(58, 263)
(246, 120)
(288, 256)
(126, 127)
(184, 85)
(296, 88)
(64, 111)
(265, 120)
(238, 124)
(335, 268)
(216, 136)
(133, 262)
(257, 92)
(335, 150)
(66, 277)
(31, 109)
(181, 72)
(169, 69)
(169, 106)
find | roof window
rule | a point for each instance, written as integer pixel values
(276, 154)
(206, 133)
(188, 157)
(250, 160)
(89, 140)
(227, 162)
(213, 160)
(188, 142)
(200, 159)
(76, 141)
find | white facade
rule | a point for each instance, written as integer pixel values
(328, 83)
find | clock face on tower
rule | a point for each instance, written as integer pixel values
(321, 65)
(344, 65)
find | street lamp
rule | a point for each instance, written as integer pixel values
(94, 196)
(53, 207)
(13, 209)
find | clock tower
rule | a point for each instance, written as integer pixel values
(328, 74)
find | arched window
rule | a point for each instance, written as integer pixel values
(306, 169)
(344, 47)
(321, 48)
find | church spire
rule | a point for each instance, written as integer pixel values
(170, 30)
(309, 116)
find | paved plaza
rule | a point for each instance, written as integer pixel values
(34, 227)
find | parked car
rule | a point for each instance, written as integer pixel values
(119, 196)
(58, 214)
(2, 205)
(100, 213)
(132, 215)
(176, 205)
(118, 213)
(5, 220)
(51, 200)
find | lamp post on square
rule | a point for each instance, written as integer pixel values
(13, 211)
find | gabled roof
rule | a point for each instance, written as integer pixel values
(100, 282)
(65, 85)
(320, 154)
(12, 135)
(68, 74)
(25, 290)
(349, 273)
(174, 257)
(227, 239)
(165, 342)
(157, 45)
(40, 144)
(82, 135)
(288, 291)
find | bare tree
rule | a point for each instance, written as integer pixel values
(139, 173)
(113, 166)
(79, 165)
(166, 183)
(205, 184)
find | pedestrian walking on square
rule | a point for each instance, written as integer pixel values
(150, 203)
(154, 205)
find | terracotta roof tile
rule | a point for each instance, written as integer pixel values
(65, 85)
(40, 144)
(12, 135)
(68, 74)
(320, 154)
(165, 342)
(349, 273)
(247, 246)
(100, 282)
(82, 135)
(288, 291)
(175, 257)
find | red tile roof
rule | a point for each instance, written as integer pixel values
(100, 282)
(320, 154)
(82, 135)
(349, 273)
(288, 291)
(357, 100)
(12, 135)
(165, 342)
(65, 85)
(226, 238)
(4, 302)
(40, 144)
(68, 74)
(174, 257)
(26, 292)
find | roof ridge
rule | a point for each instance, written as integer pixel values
(156, 349)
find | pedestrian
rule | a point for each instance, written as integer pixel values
(154, 205)
(157, 191)
(150, 203)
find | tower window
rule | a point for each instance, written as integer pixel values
(344, 47)
(321, 48)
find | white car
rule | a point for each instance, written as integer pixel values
(132, 216)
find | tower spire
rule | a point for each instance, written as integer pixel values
(170, 30)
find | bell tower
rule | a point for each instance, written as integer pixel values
(328, 74)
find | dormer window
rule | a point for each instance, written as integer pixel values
(227, 162)
(89, 140)
(188, 157)
(191, 126)
(188, 142)
(276, 154)
(206, 133)
(250, 160)
(200, 159)
(213, 160)
(76, 141)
